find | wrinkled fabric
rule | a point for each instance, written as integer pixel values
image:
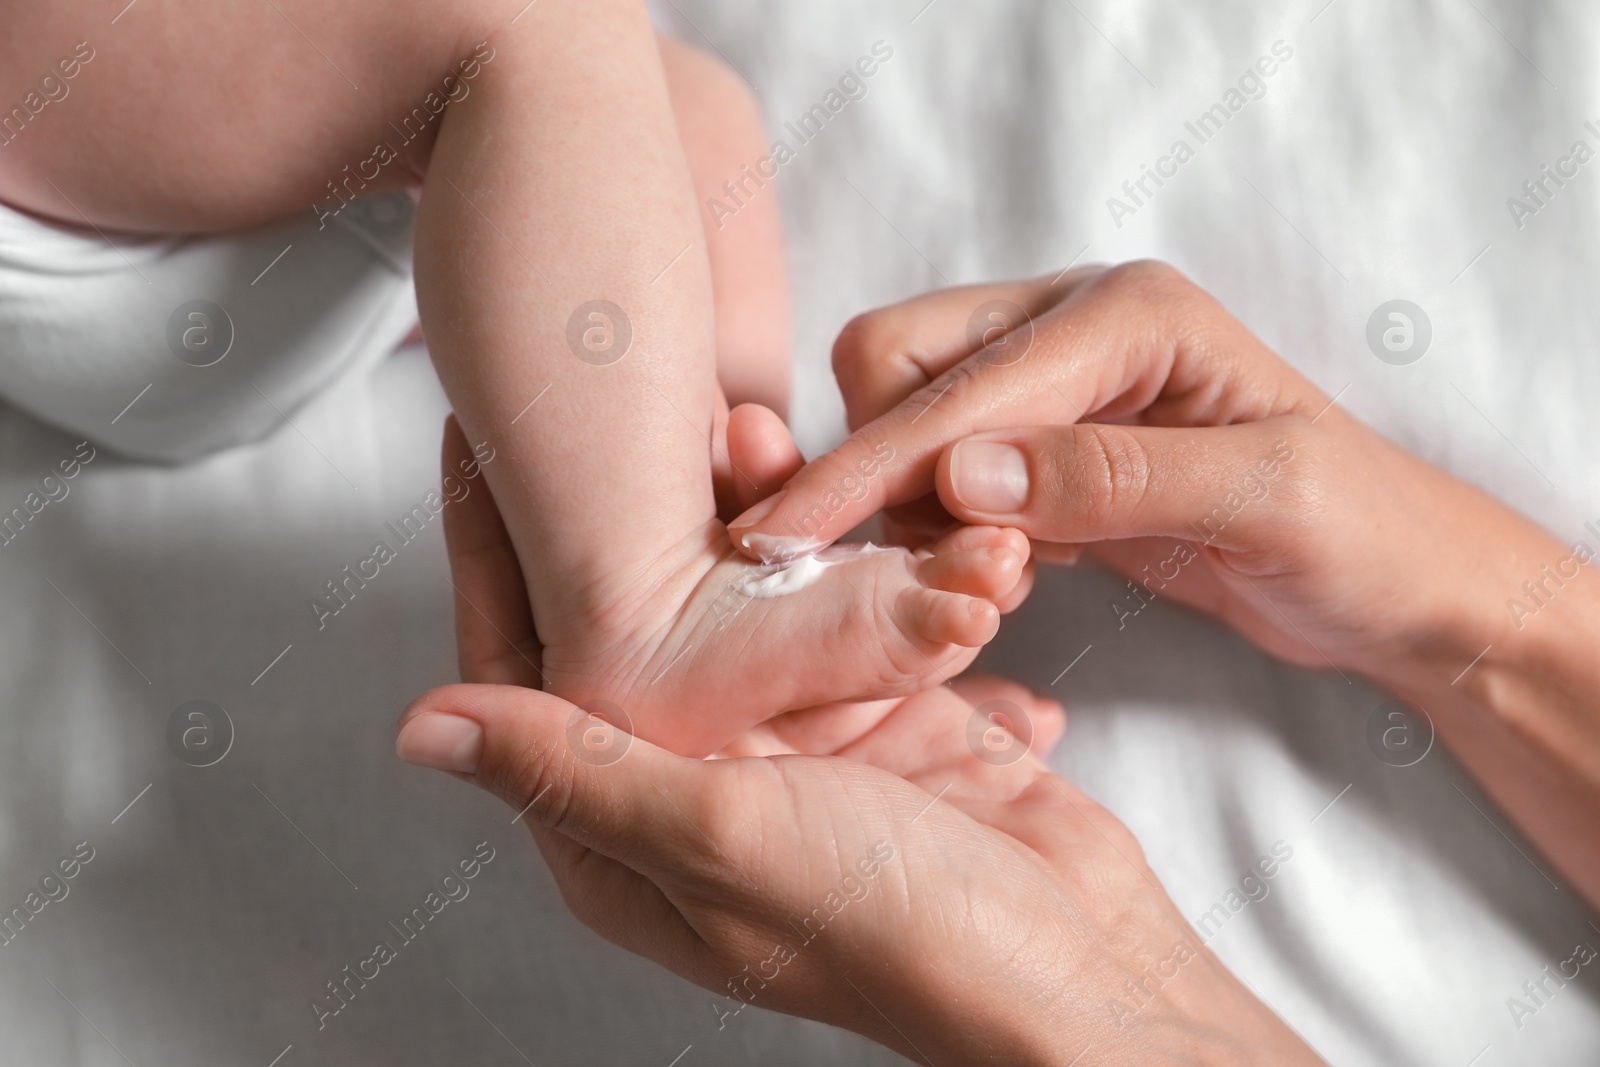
(1376, 165)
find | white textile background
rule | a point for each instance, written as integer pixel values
(1376, 166)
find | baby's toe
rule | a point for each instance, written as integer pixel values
(949, 618)
(964, 538)
(989, 573)
(981, 561)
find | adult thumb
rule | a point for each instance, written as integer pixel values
(576, 771)
(1092, 482)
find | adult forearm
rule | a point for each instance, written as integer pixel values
(1528, 729)
(1511, 682)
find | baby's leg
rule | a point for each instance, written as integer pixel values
(561, 263)
(566, 298)
(720, 125)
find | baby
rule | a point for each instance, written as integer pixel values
(578, 306)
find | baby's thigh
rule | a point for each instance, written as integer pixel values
(184, 115)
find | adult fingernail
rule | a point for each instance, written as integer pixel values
(443, 742)
(989, 476)
(759, 512)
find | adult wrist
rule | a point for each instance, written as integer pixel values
(1498, 633)
(1148, 995)
(1204, 1017)
(1452, 623)
(1539, 676)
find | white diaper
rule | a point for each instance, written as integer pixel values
(169, 348)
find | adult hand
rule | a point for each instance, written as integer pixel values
(955, 911)
(1127, 410)
(1087, 434)
(1047, 932)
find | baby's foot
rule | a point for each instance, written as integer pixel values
(705, 645)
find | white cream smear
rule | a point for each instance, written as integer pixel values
(774, 548)
(781, 579)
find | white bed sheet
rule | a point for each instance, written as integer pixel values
(1377, 166)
